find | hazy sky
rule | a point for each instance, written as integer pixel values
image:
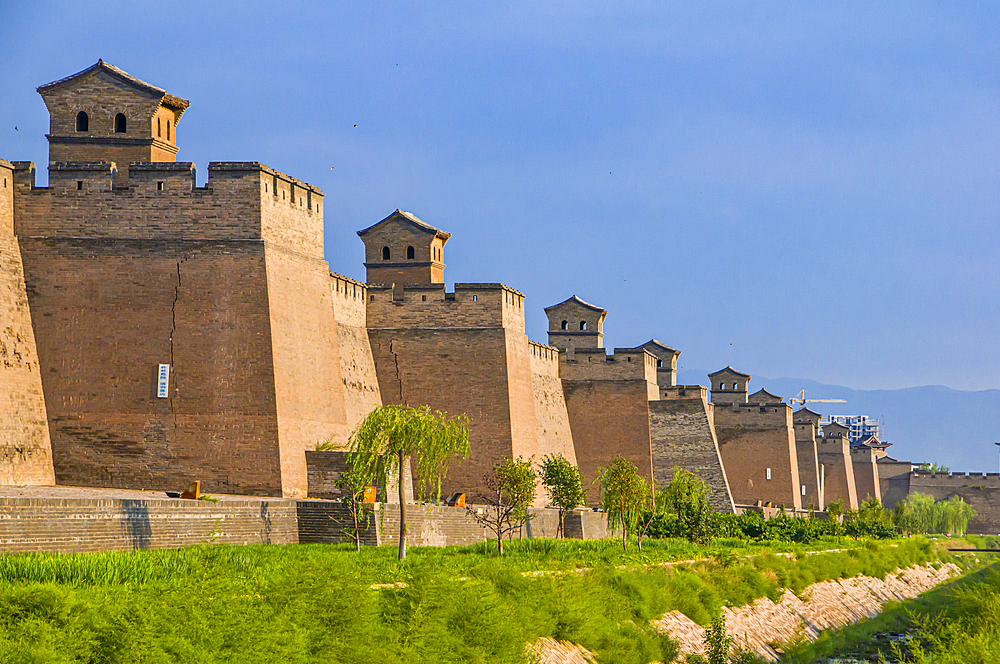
(795, 189)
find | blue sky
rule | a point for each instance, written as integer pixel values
(793, 189)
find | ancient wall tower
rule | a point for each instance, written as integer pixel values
(607, 396)
(25, 452)
(806, 423)
(834, 454)
(105, 114)
(866, 479)
(187, 306)
(463, 352)
(757, 442)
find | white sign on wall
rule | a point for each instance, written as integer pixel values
(162, 381)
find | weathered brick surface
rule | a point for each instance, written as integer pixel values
(980, 491)
(80, 524)
(426, 525)
(325, 468)
(551, 419)
(808, 460)
(308, 379)
(893, 480)
(469, 306)
(609, 418)
(753, 438)
(399, 232)
(865, 474)
(25, 452)
(682, 435)
(834, 457)
(458, 371)
(237, 203)
(106, 313)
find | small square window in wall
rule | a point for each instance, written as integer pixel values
(159, 186)
(79, 185)
(423, 298)
(475, 298)
(371, 298)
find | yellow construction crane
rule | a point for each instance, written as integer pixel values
(802, 399)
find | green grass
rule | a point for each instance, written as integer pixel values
(315, 603)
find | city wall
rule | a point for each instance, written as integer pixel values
(551, 418)
(462, 352)
(25, 450)
(76, 525)
(866, 479)
(755, 440)
(810, 480)
(221, 283)
(682, 435)
(838, 471)
(980, 490)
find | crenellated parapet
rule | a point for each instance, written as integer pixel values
(161, 200)
(431, 306)
(597, 364)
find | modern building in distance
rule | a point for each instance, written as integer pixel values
(861, 426)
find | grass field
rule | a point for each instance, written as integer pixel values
(316, 603)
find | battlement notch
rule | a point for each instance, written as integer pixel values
(431, 306)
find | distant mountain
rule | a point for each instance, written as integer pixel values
(929, 423)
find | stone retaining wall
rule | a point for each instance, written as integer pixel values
(825, 605)
(74, 525)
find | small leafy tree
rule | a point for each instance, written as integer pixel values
(623, 495)
(687, 497)
(717, 642)
(352, 483)
(934, 468)
(390, 434)
(564, 484)
(513, 482)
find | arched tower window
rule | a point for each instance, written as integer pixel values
(659, 364)
(168, 130)
(565, 325)
(409, 253)
(736, 386)
(120, 123)
(385, 253)
(82, 121)
(159, 133)
(583, 325)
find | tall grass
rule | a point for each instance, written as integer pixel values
(316, 603)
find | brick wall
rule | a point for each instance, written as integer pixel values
(234, 204)
(753, 439)
(551, 417)
(469, 306)
(865, 475)
(308, 379)
(325, 467)
(78, 524)
(893, 480)
(609, 418)
(106, 313)
(980, 491)
(457, 371)
(426, 525)
(682, 435)
(808, 460)
(25, 452)
(838, 471)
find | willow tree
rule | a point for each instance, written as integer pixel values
(381, 444)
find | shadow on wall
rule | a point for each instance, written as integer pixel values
(135, 523)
